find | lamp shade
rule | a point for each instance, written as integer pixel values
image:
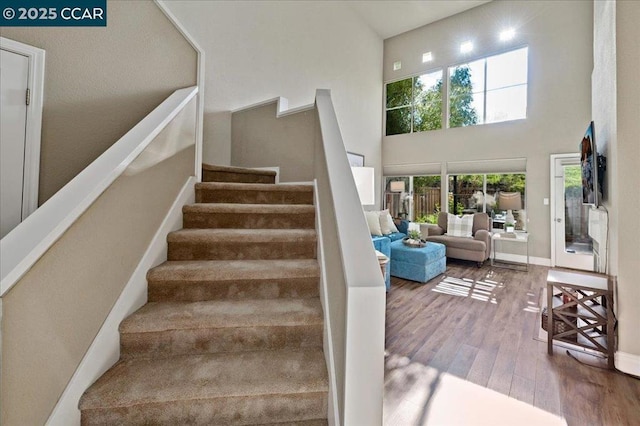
(510, 201)
(396, 186)
(363, 177)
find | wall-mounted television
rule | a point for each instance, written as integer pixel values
(593, 167)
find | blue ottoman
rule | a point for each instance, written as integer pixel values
(417, 263)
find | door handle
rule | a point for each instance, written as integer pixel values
(558, 220)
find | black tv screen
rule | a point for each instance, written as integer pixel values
(591, 191)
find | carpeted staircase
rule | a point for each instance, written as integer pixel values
(232, 332)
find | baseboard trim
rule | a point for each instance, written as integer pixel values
(333, 415)
(105, 348)
(627, 363)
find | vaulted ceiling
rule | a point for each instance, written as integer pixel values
(390, 18)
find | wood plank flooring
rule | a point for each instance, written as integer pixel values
(462, 350)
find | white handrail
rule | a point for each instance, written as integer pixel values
(26, 243)
(365, 287)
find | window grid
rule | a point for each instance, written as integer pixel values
(446, 105)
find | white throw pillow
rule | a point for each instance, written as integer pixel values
(373, 220)
(459, 226)
(386, 223)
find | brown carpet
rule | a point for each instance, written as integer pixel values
(232, 332)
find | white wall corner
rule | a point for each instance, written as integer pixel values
(627, 363)
(105, 349)
(333, 415)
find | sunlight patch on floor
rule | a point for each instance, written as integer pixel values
(465, 287)
(437, 398)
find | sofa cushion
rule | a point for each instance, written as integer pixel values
(459, 226)
(386, 223)
(459, 242)
(396, 236)
(373, 220)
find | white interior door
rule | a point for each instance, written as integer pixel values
(14, 75)
(572, 244)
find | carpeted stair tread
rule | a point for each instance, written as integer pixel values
(318, 422)
(232, 332)
(230, 270)
(236, 244)
(249, 216)
(208, 376)
(233, 169)
(249, 208)
(245, 236)
(163, 316)
(254, 193)
(191, 281)
(263, 187)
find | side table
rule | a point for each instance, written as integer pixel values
(585, 306)
(514, 237)
(382, 261)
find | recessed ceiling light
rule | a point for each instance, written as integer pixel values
(507, 34)
(427, 57)
(466, 47)
(397, 65)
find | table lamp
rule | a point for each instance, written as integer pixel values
(510, 201)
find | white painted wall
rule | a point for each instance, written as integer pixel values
(260, 50)
(616, 108)
(560, 39)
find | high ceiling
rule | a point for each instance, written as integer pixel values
(390, 18)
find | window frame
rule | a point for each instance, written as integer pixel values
(446, 89)
(484, 192)
(484, 91)
(412, 105)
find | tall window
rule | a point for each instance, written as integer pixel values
(489, 90)
(416, 198)
(480, 192)
(414, 104)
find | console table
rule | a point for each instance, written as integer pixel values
(584, 304)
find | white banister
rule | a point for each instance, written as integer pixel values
(364, 322)
(26, 243)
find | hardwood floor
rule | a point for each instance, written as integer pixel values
(463, 350)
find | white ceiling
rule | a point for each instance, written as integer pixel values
(390, 18)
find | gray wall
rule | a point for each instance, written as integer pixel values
(99, 82)
(262, 140)
(258, 50)
(616, 108)
(53, 313)
(559, 36)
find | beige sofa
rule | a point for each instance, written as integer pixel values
(476, 248)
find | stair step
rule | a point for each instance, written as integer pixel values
(249, 216)
(191, 281)
(231, 389)
(252, 193)
(230, 244)
(180, 328)
(212, 173)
